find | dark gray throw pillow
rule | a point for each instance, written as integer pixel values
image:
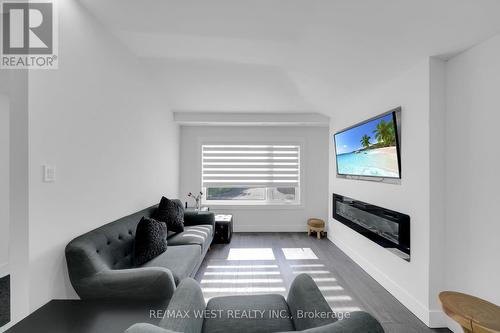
(172, 213)
(150, 240)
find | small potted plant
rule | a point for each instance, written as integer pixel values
(197, 199)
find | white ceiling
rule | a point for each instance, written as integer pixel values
(288, 52)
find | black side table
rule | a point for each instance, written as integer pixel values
(223, 228)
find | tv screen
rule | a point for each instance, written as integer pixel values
(369, 149)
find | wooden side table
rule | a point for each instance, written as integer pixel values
(472, 313)
(316, 225)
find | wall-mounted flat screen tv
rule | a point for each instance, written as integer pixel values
(370, 148)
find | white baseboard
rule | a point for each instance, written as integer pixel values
(430, 318)
(437, 319)
(453, 325)
(269, 228)
(6, 326)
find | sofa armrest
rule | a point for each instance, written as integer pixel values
(199, 218)
(146, 328)
(304, 297)
(359, 321)
(136, 283)
(188, 298)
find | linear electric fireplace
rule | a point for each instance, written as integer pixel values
(385, 227)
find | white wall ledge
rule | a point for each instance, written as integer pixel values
(250, 119)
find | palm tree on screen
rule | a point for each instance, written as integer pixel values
(385, 133)
(365, 141)
(391, 139)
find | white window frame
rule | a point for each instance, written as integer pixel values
(266, 202)
(297, 203)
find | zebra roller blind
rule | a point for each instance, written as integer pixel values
(250, 165)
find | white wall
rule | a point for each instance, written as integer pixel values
(4, 183)
(472, 175)
(449, 186)
(14, 85)
(100, 120)
(408, 281)
(437, 233)
(196, 85)
(314, 163)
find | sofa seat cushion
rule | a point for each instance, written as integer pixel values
(248, 314)
(180, 260)
(201, 235)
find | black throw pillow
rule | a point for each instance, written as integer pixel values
(172, 213)
(150, 240)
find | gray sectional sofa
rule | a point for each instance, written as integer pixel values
(100, 262)
(305, 309)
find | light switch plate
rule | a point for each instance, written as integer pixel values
(49, 173)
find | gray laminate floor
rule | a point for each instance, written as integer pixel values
(267, 262)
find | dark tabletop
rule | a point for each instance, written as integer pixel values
(77, 316)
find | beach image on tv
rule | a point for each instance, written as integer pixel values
(368, 149)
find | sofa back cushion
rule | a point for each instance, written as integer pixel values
(171, 212)
(107, 247)
(187, 299)
(267, 313)
(305, 297)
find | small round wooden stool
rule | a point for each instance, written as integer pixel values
(472, 313)
(316, 225)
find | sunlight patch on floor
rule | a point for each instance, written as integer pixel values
(345, 308)
(254, 271)
(337, 298)
(251, 254)
(324, 279)
(243, 273)
(306, 265)
(245, 290)
(311, 272)
(240, 281)
(298, 253)
(240, 266)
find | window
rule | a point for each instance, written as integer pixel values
(251, 174)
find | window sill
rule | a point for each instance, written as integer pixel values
(253, 206)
